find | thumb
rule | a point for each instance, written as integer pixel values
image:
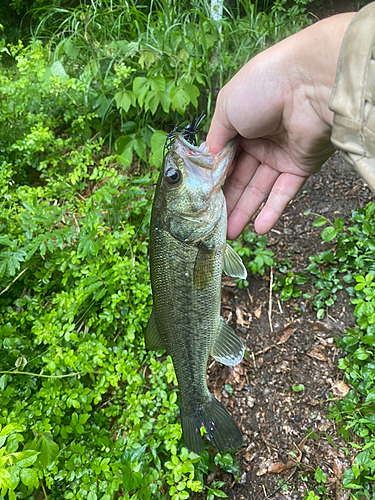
(221, 130)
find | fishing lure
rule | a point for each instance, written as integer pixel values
(189, 132)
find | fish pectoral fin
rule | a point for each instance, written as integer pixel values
(153, 338)
(228, 348)
(204, 268)
(233, 265)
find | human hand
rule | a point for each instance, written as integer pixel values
(278, 103)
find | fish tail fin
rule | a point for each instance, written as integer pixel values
(221, 429)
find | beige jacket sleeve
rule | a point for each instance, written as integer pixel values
(353, 96)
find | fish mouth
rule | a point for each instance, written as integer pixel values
(194, 155)
(195, 149)
(198, 159)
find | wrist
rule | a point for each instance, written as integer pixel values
(318, 54)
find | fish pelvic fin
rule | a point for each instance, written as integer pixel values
(233, 265)
(220, 427)
(153, 339)
(228, 348)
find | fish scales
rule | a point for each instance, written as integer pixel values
(190, 320)
(187, 253)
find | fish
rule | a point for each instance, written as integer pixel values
(188, 252)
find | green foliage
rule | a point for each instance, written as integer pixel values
(256, 257)
(335, 270)
(144, 65)
(17, 467)
(251, 248)
(298, 388)
(97, 416)
(310, 495)
(288, 281)
(350, 266)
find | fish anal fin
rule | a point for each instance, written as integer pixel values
(228, 348)
(221, 429)
(204, 267)
(153, 338)
(233, 265)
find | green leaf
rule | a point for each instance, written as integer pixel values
(29, 477)
(140, 149)
(329, 233)
(25, 458)
(48, 449)
(123, 100)
(320, 475)
(193, 93)
(71, 49)
(298, 388)
(158, 84)
(57, 69)
(339, 223)
(219, 494)
(183, 495)
(140, 88)
(124, 148)
(152, 102)
(361, 353)
(228, 388)
(5, 431)
(320, 221)
(5, 479)
(165, 101)
(180, 99)
(157, 144)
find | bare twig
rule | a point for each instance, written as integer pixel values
(253, 356)
(15, 279)
(266, 349)
(270, 301)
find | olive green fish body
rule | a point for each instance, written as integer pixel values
(187, 254)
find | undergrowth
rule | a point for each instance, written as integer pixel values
(85, 411)
(350, 266)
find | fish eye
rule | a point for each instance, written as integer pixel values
(173, 176)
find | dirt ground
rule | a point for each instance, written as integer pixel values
(274, 419)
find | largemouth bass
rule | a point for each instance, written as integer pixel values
(188, 253)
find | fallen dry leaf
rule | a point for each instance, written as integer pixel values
(340, 389)
(313, 402)
(240, 319)
(337, 468)
(316, 352)
(288, 331)
(261, 472)
(279, 467)
(320, 325)
(258, 312)
(249, 457)
(236, 374)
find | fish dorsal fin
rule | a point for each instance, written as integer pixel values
(204, 268)
(153, 338)
(233, 265)
(228, 348)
